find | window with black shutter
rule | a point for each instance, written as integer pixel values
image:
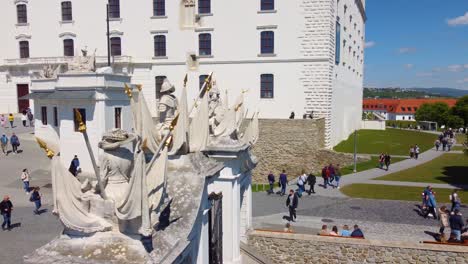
(267, 42)
(114, 8)
(116, 48)
(159, 7)
(204, 44)
(44, 115)
(159, 45)
(67, 11)
(266, 86)
(267, 5)
(24, 49)
(68, 47)
(204, 6)
(22, 14)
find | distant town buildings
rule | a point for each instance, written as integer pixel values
(399, 109)
(303, 56)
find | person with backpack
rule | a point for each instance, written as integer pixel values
(455, 199)
(25, 178)
(4, 144)
(311, 179)
(283, 181)
(271, 181)
(36, 199)
(15, 143)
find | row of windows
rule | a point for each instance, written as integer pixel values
(267, 44)
(159, 9)
(266, 84)
(44, 119)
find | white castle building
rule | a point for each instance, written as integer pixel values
(291, 55)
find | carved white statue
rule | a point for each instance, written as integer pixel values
(167, 108)
(83, 63)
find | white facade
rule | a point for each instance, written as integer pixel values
(305, 75)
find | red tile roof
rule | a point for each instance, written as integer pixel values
(402, 106)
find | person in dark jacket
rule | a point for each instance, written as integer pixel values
(14, 141)
(456, 224)
(311, 180)
(357, 232)
(271, 181)
(6, 207)
(283, 180)
(36, 199)
(74, 166)
(292, 203)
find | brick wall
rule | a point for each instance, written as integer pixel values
(297, 248)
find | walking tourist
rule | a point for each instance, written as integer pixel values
(416, 151)
(30, 118)
(324, 231)
(334, 231)
(283, 181)
(292, 203)
(4, 144)
(6, 207)
(331, 174)
(326, 176)
(25, 178)
(3, 121)
(387, 160)
(456, 224)
(437, 144)
(443, 220)
(311, 180)
(381, 160)
(357, 232)
(36, 199)
(444, 143)
(345, 231)
(74, 165)
(24, 118)
(301, 181)
(449, 144)
(337, 176)
(411, 151)
(431, 204)
(271, 181)
(15, 143)
(11, 118)
(455, 199)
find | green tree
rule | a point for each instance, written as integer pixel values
(454, 121)
(436, 112)
(461, 109)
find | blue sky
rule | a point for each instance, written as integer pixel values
(416, 43)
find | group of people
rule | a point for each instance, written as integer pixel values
(14, 142)
(446, 140)
(331, 173)
(414, 152)
(6, 206)
(384, 159)
(26, 117)
(345, 232)
(283, 182)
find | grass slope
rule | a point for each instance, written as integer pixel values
(393, 141)
(448, 168)
(389, 192)
(366, 165)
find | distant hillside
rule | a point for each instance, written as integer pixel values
(413, 92)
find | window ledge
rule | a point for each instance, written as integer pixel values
(158, 17)
(22, 24)
(115, 19)
(67, 22)
(204, 56)
(266, 11)
(267, 98)
(266, 55)
(160, 58)
(205, 14)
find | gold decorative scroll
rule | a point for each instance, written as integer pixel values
(128, 91)
(43, 145)
(79, 120)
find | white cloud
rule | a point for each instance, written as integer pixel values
(406, 50)
(457, 21)
(369, 44)
(455, 68)
(408, 66)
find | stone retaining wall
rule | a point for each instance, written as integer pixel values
(293, 145)
(298, 248)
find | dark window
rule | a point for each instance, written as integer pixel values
(159, 7)
(159, 82)
(204, 44)
(118, 117)
(56, 123)
(201, 80)
(204, 6)
(266, 86)
(68, 48)
(83, 116)
(403, 109)
(67, 11)
(44, 115)
(24, 49)
(22, 14)
(159, 45)
(267, 45)
(116, 48)
(337, 43)
(267, 5)
(114, 8)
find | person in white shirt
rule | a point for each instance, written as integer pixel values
(25, 178)
(301, 180)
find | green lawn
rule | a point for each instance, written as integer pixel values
(393, 141)
(366, 165)
(389, 192)
(460, 138)
(448, 168)
(458, 148)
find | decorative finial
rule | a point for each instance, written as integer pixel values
(128, 91)
(79, 120)
(43, 145)
(139, 87)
